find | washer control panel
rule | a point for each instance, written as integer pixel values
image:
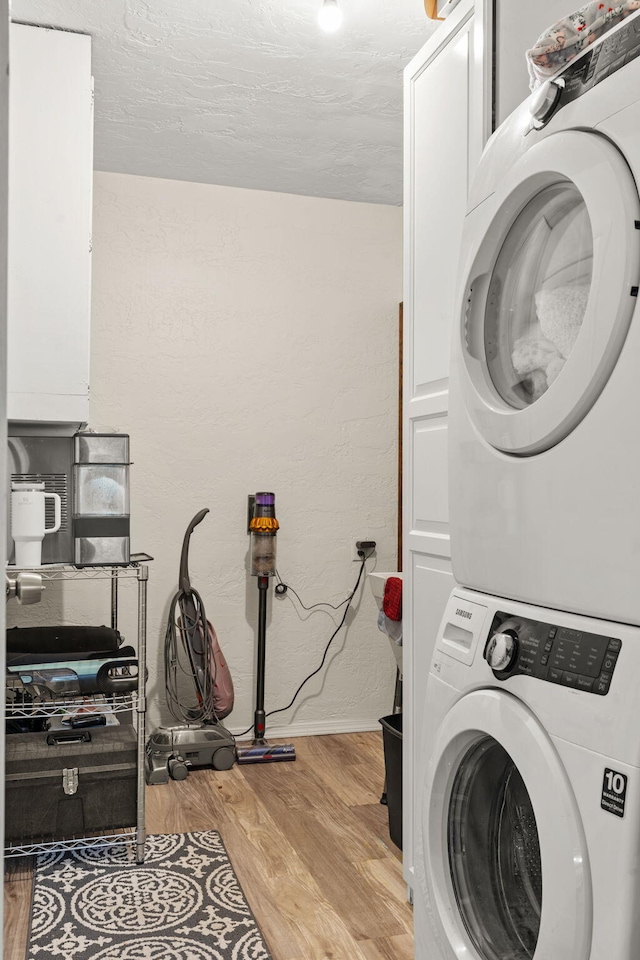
(596, 64)
(520, 647)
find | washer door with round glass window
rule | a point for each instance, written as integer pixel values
(552, 286)
(505, 854)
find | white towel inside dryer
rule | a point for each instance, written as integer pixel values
(560, 257)
(561, 300)
(560, 312)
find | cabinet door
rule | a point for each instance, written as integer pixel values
(50, 181)
(447, 120)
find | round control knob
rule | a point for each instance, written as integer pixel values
(545, 101)
(502, 651)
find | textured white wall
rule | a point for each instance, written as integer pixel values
(247, 341)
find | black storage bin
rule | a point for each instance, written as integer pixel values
(61, 784)
(392, 742)
(43, 641)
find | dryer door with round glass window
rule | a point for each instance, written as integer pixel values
(551, 290)
(506, 865)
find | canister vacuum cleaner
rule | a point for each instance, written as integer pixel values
(192, 652)
(263, 528)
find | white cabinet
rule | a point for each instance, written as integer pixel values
(50, 195)
(447, 121)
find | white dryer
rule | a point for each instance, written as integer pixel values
(528, 800)
(545, 378)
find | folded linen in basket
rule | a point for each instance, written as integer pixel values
(568, 37)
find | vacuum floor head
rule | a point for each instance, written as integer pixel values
(193, 745)
(265, 752)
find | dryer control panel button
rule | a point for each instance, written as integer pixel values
(573, 658)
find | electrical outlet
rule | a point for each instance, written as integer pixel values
(362, 549)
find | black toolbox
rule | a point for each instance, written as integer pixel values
(65, 783)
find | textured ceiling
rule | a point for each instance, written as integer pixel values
(248, 93)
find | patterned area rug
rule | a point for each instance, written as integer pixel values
(183, 903)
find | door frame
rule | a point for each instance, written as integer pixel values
(4, 190)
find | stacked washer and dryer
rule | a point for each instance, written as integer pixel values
(528, 834)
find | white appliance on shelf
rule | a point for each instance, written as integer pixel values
(544, 462)
(377, 582)
(528, 805)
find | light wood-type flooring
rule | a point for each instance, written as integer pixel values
(308, 840)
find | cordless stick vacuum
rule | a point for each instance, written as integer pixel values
(263, 528)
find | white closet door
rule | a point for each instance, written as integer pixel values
(447, 118)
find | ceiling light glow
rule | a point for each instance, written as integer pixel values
(330, 16)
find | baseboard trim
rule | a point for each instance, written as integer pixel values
(314, 729)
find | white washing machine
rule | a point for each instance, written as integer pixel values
(528, 800)
(545, 378)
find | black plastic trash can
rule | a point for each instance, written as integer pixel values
(392, 742)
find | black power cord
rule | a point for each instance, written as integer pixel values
(330, 641)
(331, 638)
(283, 588)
